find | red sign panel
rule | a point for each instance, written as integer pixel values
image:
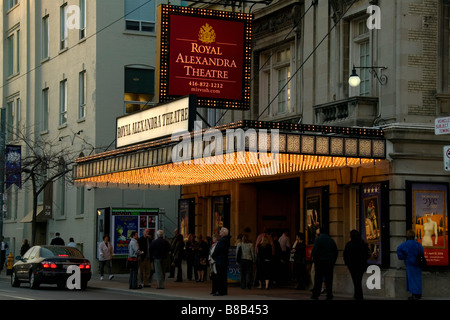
(206, 53)
(206, 57)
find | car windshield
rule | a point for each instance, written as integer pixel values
(47, 252)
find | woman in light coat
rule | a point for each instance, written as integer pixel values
(106, 254)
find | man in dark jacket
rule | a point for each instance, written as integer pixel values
(144, 275)
(57, 240)
(324, 255)
(220, 256)
(356, 253)
(159, 251)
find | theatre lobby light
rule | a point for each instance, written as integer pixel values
(355, 80)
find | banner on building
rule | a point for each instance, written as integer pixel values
(13, 165)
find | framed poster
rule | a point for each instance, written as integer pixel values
(126, 220)
(316, 215)
(186, 217)
(220, 213)
(374, 222)
(428, 217)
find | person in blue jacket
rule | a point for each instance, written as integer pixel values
(408, 251)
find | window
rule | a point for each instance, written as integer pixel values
(63, 102)
(80, 200)
(61, 196)
(139, 89)
(45, 37)
(140, 15)
(82, 19)
(45, 106)
(12, 3)
(63, 27)
(10, 54)
(82, 95)
(361, 57)
(276, 82)
(445, 46)
(12, 118)
(9, 120)
(18, 51)
(11, 202)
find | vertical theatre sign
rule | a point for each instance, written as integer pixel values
(206, 53)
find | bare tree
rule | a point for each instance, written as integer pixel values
(45, 161)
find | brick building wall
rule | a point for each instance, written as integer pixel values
(427, 60)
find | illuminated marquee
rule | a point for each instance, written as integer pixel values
(206, 53)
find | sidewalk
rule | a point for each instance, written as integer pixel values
(189, 289)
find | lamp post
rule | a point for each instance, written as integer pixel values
(354, 80)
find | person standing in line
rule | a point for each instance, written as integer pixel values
(25, 247)
(173, 244)
(190, 249)
(264, 260)
(299, 252)
(324, 254)
(177, 257)
(201, 258)
(285, 244)
(408, 251)
(3, 248)
(57, 240)
(212, 263)
(159, 251)
(106, 254)
(133, 263)
(220, 256)
(356, 253)
(145, 259)
(269, 238)
(247, 259)
(72, 243)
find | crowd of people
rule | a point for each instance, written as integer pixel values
(270, 261)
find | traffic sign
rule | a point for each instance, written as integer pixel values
(447, 158)
(442, 125)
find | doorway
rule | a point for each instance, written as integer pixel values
(278, 206)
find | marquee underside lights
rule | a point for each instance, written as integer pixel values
(211, 171)
(298, 148)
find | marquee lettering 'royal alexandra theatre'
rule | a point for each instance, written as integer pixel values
(249, 175)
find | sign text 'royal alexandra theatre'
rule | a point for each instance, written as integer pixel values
(206, 53)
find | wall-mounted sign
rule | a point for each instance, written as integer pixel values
(162, 120)
(206, 53)
(428, 204)
(442, 125)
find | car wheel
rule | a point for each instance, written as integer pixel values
(34, 284)
(84, 285)
(14, 281)
(61, 285)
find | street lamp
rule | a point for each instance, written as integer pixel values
(355, 80)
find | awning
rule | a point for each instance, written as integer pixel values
(39, 216)
(246, 149)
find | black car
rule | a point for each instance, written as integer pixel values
(48, 265)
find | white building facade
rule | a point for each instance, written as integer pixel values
(69, 69)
